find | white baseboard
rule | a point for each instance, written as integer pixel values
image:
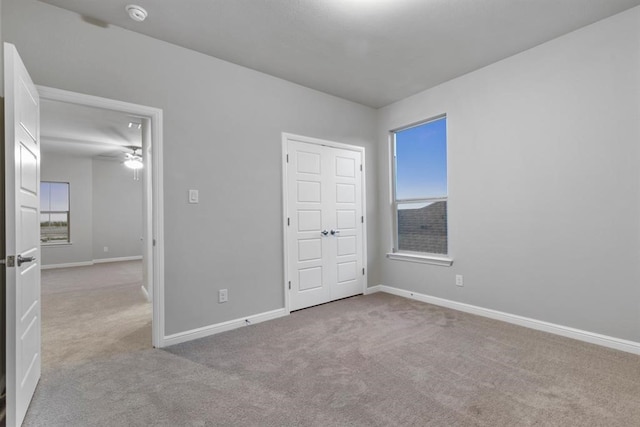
(123, 258)
(565, 331)
(92, 262)
(206, 331)
(65, 265)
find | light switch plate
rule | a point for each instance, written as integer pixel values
(223, 295)
(194, 196)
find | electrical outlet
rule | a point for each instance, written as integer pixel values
(106, 248)
(459, 280)
(223, 296)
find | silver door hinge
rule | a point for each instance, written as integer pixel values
(363, 271)
(287, 158)
(9, 262)
(288, 221)
(154, 242)
(360, 168)
(362, 219)
(289, 284)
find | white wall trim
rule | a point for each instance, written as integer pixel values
(422, 258)
(154, 190)
(118, 259)
(539, 325)
(66, 265)
(206, 331)
(92, 262)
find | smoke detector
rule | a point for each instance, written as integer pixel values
(136, 12)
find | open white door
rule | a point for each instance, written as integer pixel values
(22, 205)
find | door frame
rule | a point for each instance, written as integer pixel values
(153, 250)
(286, 137)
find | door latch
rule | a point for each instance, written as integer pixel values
(23, 260)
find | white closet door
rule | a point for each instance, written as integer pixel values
(324, 223)
(346, 228)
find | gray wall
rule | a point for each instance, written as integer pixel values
(106, 209)
(117, 211)
(544, 182)
(77, 171)
(222, 135)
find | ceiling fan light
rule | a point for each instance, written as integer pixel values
(134, 163)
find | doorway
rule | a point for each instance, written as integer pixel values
(150, 121)
(93, 297)
(324, 227)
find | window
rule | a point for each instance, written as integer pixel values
(420, 188)
(54, 212)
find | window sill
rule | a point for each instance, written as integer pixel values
(423, 259)
(54, 245)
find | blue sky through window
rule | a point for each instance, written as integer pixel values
(54, 196)
(421, 161)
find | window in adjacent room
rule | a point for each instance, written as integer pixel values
(54, 212)
(420, 188)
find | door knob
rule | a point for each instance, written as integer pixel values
(324, 232)
(334, 232)
(21, 260)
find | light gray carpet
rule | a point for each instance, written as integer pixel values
(376, 360)
(93, 312)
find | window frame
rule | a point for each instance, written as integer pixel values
(415, 256)
(67, 212)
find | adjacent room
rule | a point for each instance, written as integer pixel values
(358, 212)
(94, 298)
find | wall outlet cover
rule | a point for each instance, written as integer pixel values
(194, 196)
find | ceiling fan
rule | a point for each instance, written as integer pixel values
(133, 160)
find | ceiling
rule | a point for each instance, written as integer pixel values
(82, 131)
(373, 52)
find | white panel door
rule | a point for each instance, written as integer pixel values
(324, 232)
(308, 215)
(346, 231)
(22, 204)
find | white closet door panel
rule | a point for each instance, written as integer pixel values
(346, 207)
(306, 211)
(324, 208)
